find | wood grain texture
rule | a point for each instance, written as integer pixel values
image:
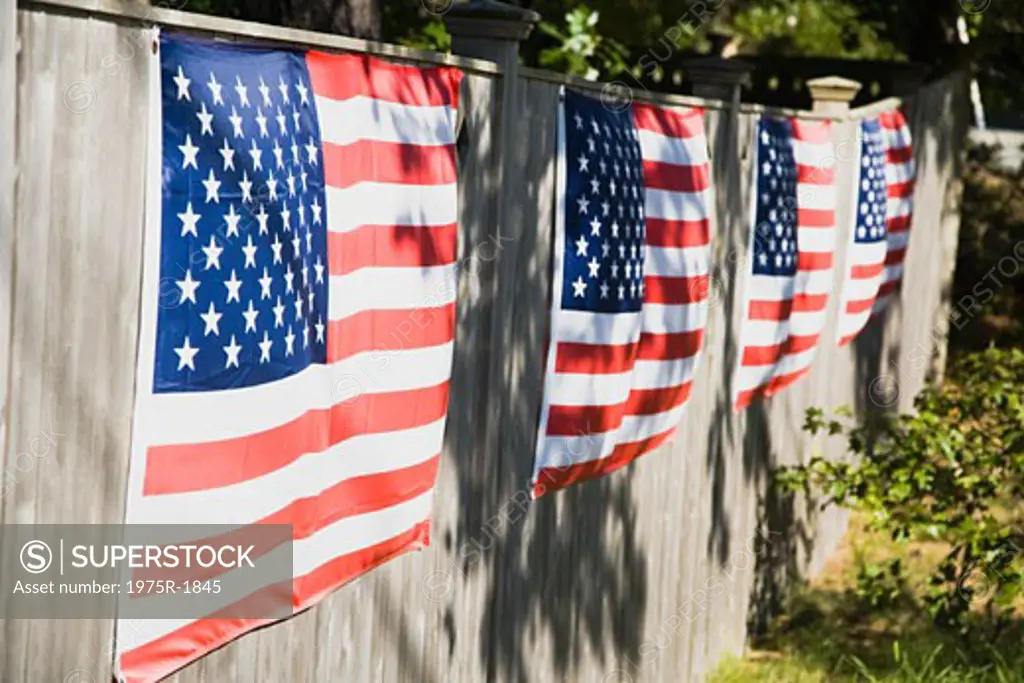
(651, 574)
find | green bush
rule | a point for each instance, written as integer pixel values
(952, 471)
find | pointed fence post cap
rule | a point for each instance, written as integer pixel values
(833, 94)
(487, 19)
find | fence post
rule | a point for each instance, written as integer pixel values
(832, 94)
(717, 78)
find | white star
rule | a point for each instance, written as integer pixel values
(289, 342)
(579, 288)
(261, 121)
(296, 159)
(305, 274)
(291, 182)
(581, 246)
(265, 283)
(605, 207)
(615, 271)
(309, 241)
(276, 248)
(295, 118)
(186, 355)
(243, 92)
(286, 216)
(278, 310)
(250, 314)
(303, 92)
(271, 186)
(213, 252)
(236, 123)
(319, 330)
(188, 288)
(215, 88)
(288, 277)
(584, 164)
(229, 156)
(182, 84)
(265, 348)
(212, 186)
(245, 185)
(302, 213)
(212, 320)
(298, 306)
(233, 285)
(279, 157)
(595, 227)
(262, 216)
(295, 244)
(615, 228)
(622, 292)
(205, 120)
(257, 156)
(319, 268)
(305, 337)
(231, 219)
(579, 122)
(190, 152)
(250, 253)
(232, 351)
(605, 248)
(282, 122)
(316, 210)
(594, 266)
(604, 290)
(189, 221)
(311, 152)
(584, 204)
(303, 176)
(283, 88)
(264, 92)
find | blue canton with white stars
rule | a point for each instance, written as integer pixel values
(605, 234)
(243, 255)
(872, 193)
(775, 235)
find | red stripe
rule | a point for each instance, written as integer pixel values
(584, 420)
(344, 76)
(811, 131)
(781, 310)
(815, 218)
(676, 290)
(859, 306)
(654, 401)
(688, 123)
(159, 658)
(388, 162)
(661, 232)
(390, 331)
(674, 346)
(899, 155)
(659, 175)
(773, 387)
(895, 257)
(888, 288)
(814, 260)
(555, 478)
(770, 355)
(898, 223)
(892, 120)
(815, 175)
(594, 359)
(866, 272)
(391, 246)
(901, 190)
(181, 468)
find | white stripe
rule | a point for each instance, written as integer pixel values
(899, 206)
(816, 240)
(390, 289)
(582, 327)
(866, 254)
(897, 240)
(852, 323)
(661, 374)
(862, 290)
(343, 122)
(753, 376)
(816, 154)
(899, 173)
(673, 318)
(677, 262)
(680, 151)
(816, 197)
(199, 417)
(306, 477)
(562, 451)
(893, 273)
(670, 205)
(578, 389)
(348, 535)
(771, 332)
(781, 287)
(373, 203)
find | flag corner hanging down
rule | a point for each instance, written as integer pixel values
(630, 285)
(792, 240)
(301, 211)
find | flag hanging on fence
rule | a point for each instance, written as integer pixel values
(900, 176)
(791, 252)
(291, 370)
(866, 254)
(630, 286)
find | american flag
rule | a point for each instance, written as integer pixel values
(629, 303)
(298, 313)
(900, 177)
(867, 252)
(791, 251)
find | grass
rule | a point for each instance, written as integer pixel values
(829, 635)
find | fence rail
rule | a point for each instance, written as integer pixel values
(652, 574)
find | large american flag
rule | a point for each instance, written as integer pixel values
(791, 253)
(900, 174)
(865, 262)
(298, 313)
(629, 303)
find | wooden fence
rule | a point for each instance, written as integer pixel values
(652, 574)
